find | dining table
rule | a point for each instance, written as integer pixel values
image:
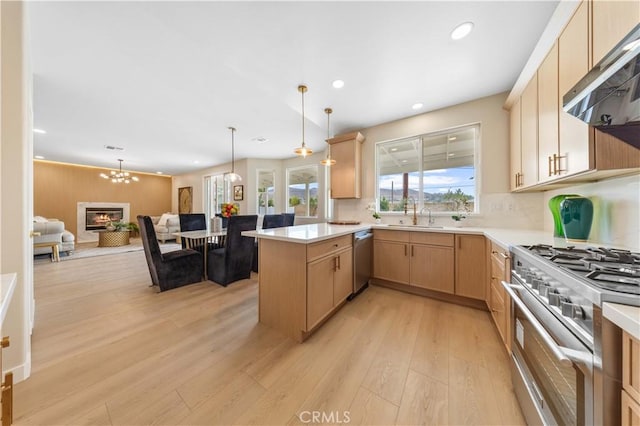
(203, 238)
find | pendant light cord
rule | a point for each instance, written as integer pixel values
(233, 129)
(303, 145)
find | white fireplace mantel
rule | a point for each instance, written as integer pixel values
(84, 236)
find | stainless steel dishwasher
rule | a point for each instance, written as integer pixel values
(362, 255)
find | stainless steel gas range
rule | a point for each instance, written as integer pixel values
(566, 366)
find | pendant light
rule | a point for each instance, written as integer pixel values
(233, 176)
(328, 161)
(303, 150)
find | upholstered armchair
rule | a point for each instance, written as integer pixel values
(233, 261)
(169, 270)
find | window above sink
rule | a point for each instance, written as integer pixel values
(436, 171)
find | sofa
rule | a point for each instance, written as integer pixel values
(165, 226)
(50, 231)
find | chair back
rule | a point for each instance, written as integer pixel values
(272, 221)
(151, 247)
(288, 219)
(192, 222)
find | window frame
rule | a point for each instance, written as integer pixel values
(420, 204)
(290, 209)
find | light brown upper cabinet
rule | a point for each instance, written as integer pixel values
(612, 20)
(346, 173)
(515, 145)
(573, 64)
(529, 133)
(554, 147)
(548, 116)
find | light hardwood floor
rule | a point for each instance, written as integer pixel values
(108, 350)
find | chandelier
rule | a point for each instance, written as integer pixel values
(118, 176)
(303, 150)
(328, 161)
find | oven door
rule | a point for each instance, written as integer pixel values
(552, 370)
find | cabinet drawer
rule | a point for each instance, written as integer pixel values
(383, 234)
(630, 411)
(499, 252)
(432, 238)
(497, 269)
(499, 309)
(323, 248)
(631, 365)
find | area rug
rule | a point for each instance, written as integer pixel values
(84, 250)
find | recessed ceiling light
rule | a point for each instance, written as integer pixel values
(260, 140)
(39, 157)
(158, 173)
(196, 162)
(338, 84)
(405, 161)
(417, 105)
(39, 131)
(462, 30)
(394, 149)
(452, 138)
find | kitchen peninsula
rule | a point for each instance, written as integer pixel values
(306, 271)
(306, 274)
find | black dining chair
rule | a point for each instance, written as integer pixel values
(288, 219)
(169, 270)
(191, 222)
(233, 261)
(268, 221)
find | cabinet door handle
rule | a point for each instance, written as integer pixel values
(412, 247)
(405, 249)
(552, 159)
(5, 342)
(335, 264)
(338, 258)
(504, 256)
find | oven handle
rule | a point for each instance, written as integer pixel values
(558, 351)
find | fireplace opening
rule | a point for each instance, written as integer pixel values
(98, 217)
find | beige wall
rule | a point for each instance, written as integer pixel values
(616, 210)
(16, 148)
(247, 168)
(59, 187)
(498, 207)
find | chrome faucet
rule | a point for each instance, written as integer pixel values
(431, 221)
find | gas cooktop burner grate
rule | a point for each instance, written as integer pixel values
(613, 269)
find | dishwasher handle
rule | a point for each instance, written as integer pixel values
(363, 236)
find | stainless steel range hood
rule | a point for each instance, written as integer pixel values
(608, 97)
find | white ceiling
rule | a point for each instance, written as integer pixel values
(164, 80)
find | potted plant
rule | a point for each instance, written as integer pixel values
(133, 228)
(459, 203)
(376, 216)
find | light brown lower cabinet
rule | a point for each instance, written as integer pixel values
(498, 301)
(630, 400)
(431, 260)
(6, 394)
(318, 279)
(471, 266)
(329, 283)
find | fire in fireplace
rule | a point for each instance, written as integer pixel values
(97, 218)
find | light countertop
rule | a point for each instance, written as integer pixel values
(6, 293)
(305, 234)
(624, 316)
